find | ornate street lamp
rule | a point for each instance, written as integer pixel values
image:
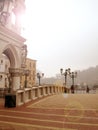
(39, 76)
(73, 75)
(67, 71)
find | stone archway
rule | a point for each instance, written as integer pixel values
(12, 45)
(11, 53)
(11, 42)
(13, 74)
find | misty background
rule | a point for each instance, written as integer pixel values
(85, 77)
(62, 34)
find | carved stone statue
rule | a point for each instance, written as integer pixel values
(24, 55)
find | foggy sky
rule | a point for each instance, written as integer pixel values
(62, 34)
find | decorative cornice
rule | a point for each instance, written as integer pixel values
(11, 34)
(15, 72)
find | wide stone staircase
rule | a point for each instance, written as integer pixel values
(51, 113)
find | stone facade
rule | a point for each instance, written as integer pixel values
(11, 43)
(11, 12)
(31, 77)
(31, 65)
(4, 69)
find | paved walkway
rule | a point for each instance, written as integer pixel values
(57, 112)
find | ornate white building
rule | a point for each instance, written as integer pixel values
(14, 51)
(12, 45)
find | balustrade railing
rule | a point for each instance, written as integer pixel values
(28, 94)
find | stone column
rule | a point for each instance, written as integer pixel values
(15, 74)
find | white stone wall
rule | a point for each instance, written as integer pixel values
(11, 45)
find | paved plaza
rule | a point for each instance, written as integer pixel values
(56, 112)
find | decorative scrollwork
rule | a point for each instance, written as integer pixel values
(4, 17)
(1, 5)
(24, 55)
(0, 77)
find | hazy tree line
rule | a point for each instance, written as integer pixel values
(85, 77)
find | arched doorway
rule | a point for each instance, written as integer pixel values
(12, 55)
(10, 68)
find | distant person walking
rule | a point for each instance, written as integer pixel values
(87, 89)
(72, 88)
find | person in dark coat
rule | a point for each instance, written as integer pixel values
(72, 88)
(87, 89)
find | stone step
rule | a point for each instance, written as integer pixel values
(47, 120)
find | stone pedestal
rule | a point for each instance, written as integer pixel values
(10, 100)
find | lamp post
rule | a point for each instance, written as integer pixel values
(73, 75)
(26, 73)
(39, 76)
(67, 71)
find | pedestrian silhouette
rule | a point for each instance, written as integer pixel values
(87, 89)
(72, 88)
